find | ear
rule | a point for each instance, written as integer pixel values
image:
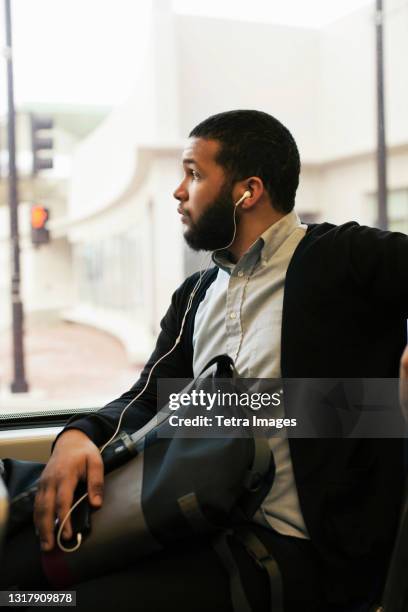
(256, 188)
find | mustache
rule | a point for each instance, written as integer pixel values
(183, 211)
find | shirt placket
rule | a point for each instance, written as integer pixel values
(233, 323)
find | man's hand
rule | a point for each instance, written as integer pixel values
(404, 383)
(75, 457)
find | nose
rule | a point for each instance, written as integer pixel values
(181, 193)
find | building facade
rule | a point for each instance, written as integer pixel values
(124, 253)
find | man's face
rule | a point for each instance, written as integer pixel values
(205, 195)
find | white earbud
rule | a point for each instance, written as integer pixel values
(247, 194)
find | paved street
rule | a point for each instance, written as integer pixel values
(67, 365)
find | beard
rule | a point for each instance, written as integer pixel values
(214, 229)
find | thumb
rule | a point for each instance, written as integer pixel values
(95, 478)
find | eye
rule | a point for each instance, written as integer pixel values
(194, 175)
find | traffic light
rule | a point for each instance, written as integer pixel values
(41, 142)
(39, 231)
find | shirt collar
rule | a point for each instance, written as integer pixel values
(276, 234)
(267, 244)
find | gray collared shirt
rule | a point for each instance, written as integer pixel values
(241, 315)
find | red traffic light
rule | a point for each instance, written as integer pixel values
(39, 231)
(39, 217)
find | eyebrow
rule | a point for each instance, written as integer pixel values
(190, 160)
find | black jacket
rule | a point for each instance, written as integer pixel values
(344, 315)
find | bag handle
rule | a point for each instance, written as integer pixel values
(225, 369)
(225, 366)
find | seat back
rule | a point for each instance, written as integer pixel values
(395, 597)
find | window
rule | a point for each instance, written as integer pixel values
(109, 272)
(397, 206)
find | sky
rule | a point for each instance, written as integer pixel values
(80, 51)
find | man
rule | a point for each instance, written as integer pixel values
(284, 300)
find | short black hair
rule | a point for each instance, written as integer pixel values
(254, 143)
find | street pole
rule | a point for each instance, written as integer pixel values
(381, 148)
(19, 383)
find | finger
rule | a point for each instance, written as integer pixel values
(44, 516)
(64, 500)
(95, 478)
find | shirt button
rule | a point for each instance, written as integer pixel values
(232, 315)
(240, 273)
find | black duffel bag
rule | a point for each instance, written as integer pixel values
(173, 489)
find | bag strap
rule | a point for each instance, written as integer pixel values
(255, 477)
(266, 561)
(192, 512)
(238, 597)
(263, 559)
(225, 368)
